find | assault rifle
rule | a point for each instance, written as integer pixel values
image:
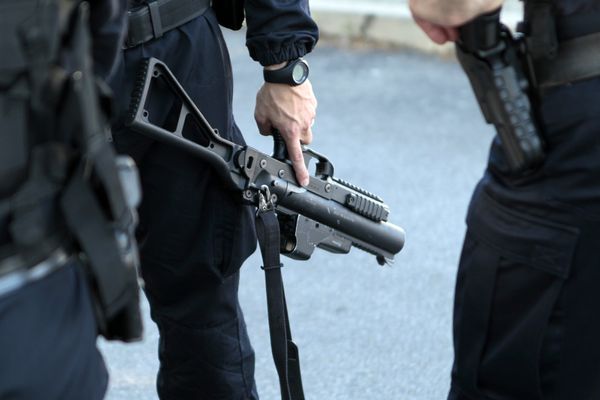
(329, 213)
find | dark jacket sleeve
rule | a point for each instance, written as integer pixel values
(279, 30)
(107, 25)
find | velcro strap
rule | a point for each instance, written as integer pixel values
(578, 59)
(157, 17)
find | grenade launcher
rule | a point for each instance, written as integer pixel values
(329, 213)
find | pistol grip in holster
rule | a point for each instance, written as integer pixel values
(490, 57)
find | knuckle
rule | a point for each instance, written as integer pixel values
(294, 131)
(296, 157)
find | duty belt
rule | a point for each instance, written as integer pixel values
(18, 274)
(569, 49)
(157, 17)
(577, 59)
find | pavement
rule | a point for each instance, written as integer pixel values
(384, 22)
(404, 125)
(401, 124)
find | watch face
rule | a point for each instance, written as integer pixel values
(300, 72)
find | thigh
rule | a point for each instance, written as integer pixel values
(48, 341)
(509, 323)
(194, 237)
(194, 233)
(576, 369)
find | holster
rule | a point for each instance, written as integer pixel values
(98, 212)
(491, 58)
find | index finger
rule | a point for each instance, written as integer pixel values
(297, 158)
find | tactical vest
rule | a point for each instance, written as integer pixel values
(61, 183)
(30, 151)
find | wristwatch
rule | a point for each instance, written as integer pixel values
(294, 73)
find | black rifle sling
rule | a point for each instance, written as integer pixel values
(285, 352)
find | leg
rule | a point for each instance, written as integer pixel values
(195, 235)
(526, 286)
(48, 341)
(507, 318)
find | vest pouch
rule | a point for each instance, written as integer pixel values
(30, 36)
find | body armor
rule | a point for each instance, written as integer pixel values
(61, 184)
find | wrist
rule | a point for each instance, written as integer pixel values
(275, 67)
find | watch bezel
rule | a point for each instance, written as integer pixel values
(300, 64)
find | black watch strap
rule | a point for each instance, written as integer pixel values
(294, 73)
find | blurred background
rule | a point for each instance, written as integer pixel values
(385, 21)
(396, 116)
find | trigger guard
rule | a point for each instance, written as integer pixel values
(323, 167)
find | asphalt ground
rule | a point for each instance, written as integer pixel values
(404, 126)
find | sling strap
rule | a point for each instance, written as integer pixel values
(285, 351)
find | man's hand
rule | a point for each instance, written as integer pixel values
(291, 110)
(440, 19)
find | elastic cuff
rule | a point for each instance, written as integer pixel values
(277, 56)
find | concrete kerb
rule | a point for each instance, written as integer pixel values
(383, 23)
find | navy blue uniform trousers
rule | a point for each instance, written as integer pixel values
(194, 234)
(48, 340)
(526, 323)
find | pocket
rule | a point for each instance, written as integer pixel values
(507, 323)
(193, 227)
(227, 214)
(234, 237)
